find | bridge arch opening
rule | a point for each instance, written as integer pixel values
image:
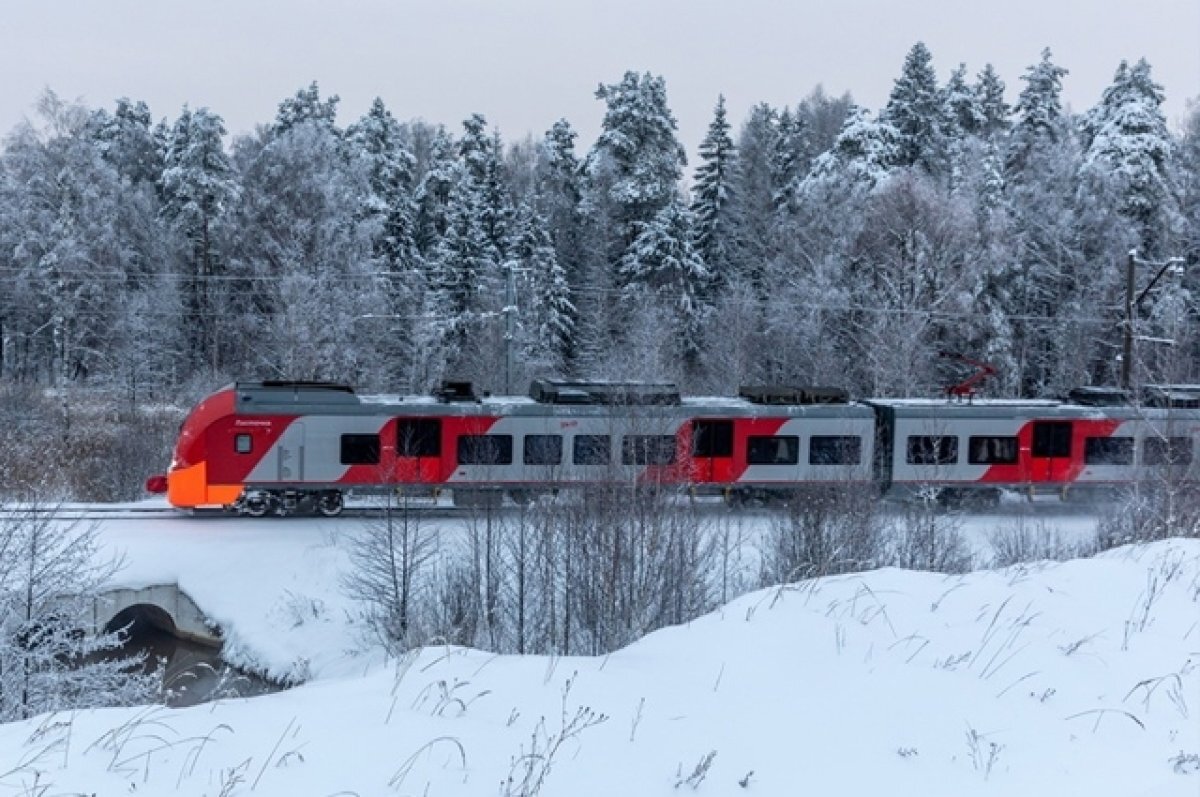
(141, 619)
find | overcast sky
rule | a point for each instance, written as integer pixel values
(526, 63)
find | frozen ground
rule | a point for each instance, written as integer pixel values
(1073, 678)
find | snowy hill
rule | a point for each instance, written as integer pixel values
(1073, 678)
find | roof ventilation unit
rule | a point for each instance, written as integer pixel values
(553, 391)
(790, 395)
(451, 392)
(1092, 396)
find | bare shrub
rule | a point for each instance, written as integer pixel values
(824, 531)
(81, 445)
(1022, 541)
(1157, 508)
(928, 538)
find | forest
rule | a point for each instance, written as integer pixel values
(145, 262)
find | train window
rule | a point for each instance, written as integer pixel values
(1052, 439)
(1108, 450)
(712, 438)
(647, 449)
(591, 449)
(782, 450)
(543, 449)
(485, 449)
(834, 450)
(932, 450)
(1167, 451)
(992, 450)
(243, 444)
(418, 437)
(360, 449)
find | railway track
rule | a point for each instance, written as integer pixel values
(443, 509)
(106, 513)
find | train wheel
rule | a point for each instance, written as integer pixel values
(256, 504)
(330, 503)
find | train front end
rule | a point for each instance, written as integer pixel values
(187, 482)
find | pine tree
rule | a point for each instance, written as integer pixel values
(712, 202)
(916, 110)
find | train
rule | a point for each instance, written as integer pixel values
(284, 447)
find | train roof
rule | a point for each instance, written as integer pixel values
(324, 398)
(1039, 408)
(589, 399)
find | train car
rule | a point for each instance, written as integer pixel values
(980, 448)
(302, 446)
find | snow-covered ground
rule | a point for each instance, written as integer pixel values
(1074, 678)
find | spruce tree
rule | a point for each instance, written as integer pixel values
(712, 202)
(1039, 111)
(304, 107)
(637, 161)
(916, 111)
(962, 105)
(989, 98)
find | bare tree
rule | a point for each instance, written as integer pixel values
(388, 557)
(50, 576)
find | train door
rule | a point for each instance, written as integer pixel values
(418, 450)
(1050, 451)
(289, 454)
(712, 450)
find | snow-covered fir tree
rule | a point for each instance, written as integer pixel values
(306, 106)
(713, 227)
(551, 311)
(915, 109)
(989, 98)
(663, 263)
(1128, 148)
(862, 157)
(1038, 111)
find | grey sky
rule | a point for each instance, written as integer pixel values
(525, 63)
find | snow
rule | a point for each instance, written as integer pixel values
(1080, 677)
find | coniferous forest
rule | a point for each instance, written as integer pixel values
(145, 261)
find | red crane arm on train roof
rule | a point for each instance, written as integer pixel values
(968, 387)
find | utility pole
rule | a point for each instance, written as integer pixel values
(1173, 264)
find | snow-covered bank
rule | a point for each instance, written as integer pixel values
(1074, 678)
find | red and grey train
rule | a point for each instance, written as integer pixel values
(279, 447)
